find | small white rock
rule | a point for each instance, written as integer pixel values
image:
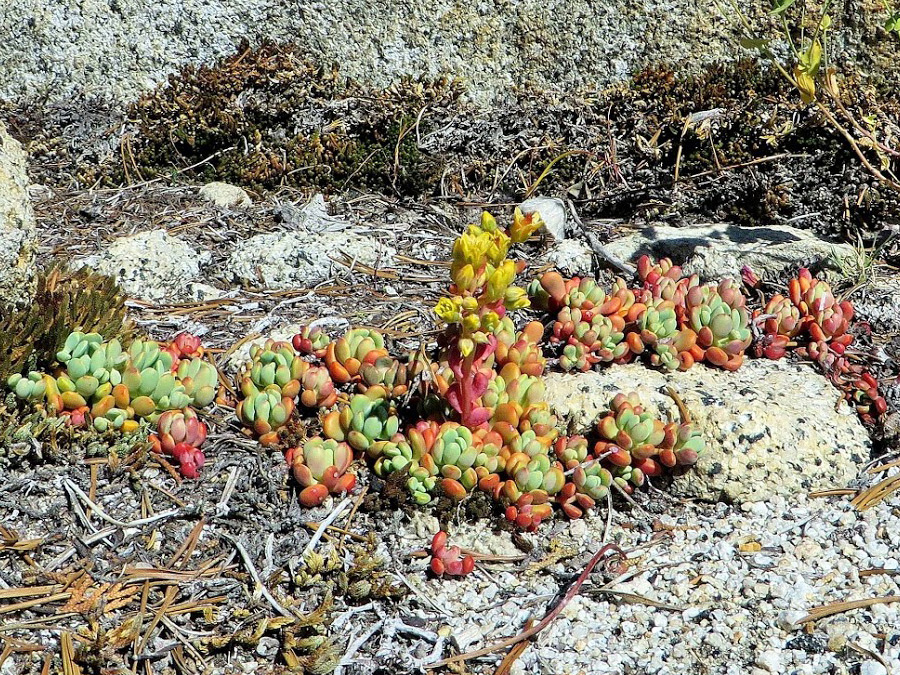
(553, 213)
(769, 660)
(225, 195)
(872, 667)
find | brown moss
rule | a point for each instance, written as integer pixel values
(268, 116)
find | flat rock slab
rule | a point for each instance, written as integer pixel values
(282, 261)
(720, 250)
(17, 233)
(770, 428)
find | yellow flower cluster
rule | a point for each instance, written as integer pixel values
(483, 275)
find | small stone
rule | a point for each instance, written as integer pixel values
(787, 619)
(225, 195)
(571, 257)
(769, 660)
(152, 266)
(267, 647)
(280, 261)
(871, 667)
(553, 213)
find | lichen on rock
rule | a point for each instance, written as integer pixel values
(17, 231)
(279, 261)
(152, 266)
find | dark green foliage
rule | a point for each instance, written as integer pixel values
(64, 302)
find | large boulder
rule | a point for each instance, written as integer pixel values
(116, 49)
(17, 233)
(771, 427)
(719, 250)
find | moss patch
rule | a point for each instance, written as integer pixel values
(267, 117)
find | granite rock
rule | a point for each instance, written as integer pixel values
(719, 250)
(771, 427)
(17, 231)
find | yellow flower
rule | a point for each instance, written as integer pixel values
(471, 323)
(463, 277)
(488, 224)
(516, 298)
(490, 321)
(498, 248)
(499, 281)
(466, 346)
(469, 304)
(471, 247)
(447, 310)
(524, 225)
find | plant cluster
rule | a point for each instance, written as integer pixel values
(301, 124)
(813, 323)
(475, 419)
(64, 301)
(672, 319)
(106, 386)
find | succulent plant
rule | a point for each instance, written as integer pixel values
(317, 388)
(190, 459)
(311, 340)
(178, 426)
(184, 346)
(391, 456)
(199, 380)
(575, 357)
(869, 403)
(422, 481)
(365, 420)
(453, 455)
(32, 387)
(637, 444)
(601, 340)
(718, 317)
(522, 348)
(589, 483)
(529, 443)
(548, 291)
(785, 317)
(273, 364)
(658, 330)
(265, 413)
(592, 480)
(449, 561)
(387, 373)
(345, 356)
(144, 354)
(320, 466)
(536, 475)
(571, 450)
(826, 319)
(651, 273)
(527, 513)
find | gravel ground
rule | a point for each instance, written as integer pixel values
(731, 582)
